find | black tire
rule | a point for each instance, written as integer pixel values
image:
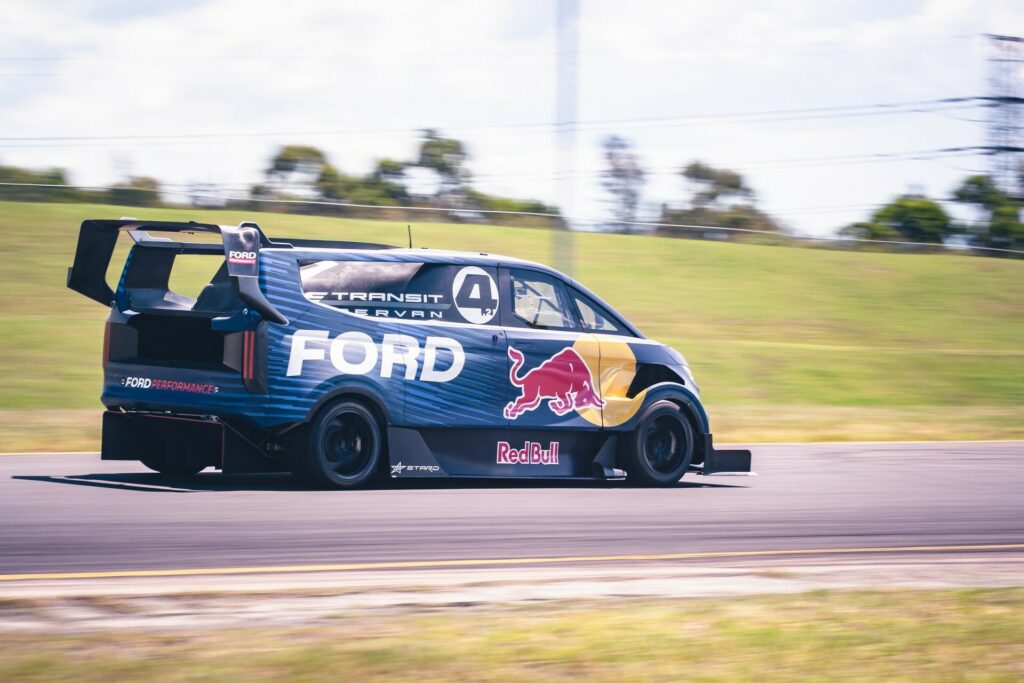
(342, 448)
(659, 451)
(173, 469)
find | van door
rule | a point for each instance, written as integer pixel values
(462, 385)
(553, 364)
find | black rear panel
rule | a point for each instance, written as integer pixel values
(177, 339)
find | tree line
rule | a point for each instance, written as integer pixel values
(721, 200)
(438, 177)
(917, 218)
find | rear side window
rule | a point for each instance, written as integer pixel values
(595, 318)
(191, 273)
(404, 290)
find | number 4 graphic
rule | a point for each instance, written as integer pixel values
(475, 294)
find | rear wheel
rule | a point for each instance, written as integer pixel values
(342, 448)
(660, 449)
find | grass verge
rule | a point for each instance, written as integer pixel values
(872, 635)
(787, 343)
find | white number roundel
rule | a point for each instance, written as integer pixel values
(475, 294)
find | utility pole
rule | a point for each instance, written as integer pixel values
(1006, 113)
(567, 19)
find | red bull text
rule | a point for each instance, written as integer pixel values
(530, 454)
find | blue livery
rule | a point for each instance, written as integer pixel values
(342, 362)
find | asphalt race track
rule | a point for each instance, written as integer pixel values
(74, 513)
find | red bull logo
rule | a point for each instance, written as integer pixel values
(530, 454)
(563, 380)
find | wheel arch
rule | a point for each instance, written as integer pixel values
(681, 396)
(688, 403)
(358, 392)
(652, 374)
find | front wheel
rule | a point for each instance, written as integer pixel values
(660, 449)
(343, 447)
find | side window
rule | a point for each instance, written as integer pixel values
(594, 318)
(403, 290)
(538, 301)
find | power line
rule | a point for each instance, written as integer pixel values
(798, 162)
(882, 108)
(901, 40)
(763, 116)
(356, 61)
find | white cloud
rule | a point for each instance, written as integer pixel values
(229, 66)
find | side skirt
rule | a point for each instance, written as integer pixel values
(502, 453)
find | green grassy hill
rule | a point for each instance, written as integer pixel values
(786, 343)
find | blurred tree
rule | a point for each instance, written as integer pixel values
(716, 185)
(372, 189)
(136, 191)
(1005, 229)
(388, 179)
(44, 179)
(330, 183)
(624, 178)
(296, 169)
(910, 217)
(915, 218)
(719, 197)
(1002, 227)
(389, 170)
(490, 202)
(981, 191)
(307, 172)
(448, 157)
(866, 230)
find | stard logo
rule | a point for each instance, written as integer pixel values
(397, 469)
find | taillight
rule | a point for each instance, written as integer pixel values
(248, 354)
(254, 377)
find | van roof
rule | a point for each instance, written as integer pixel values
(366, 253)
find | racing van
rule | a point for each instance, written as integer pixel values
(344, 361)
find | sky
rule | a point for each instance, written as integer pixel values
(206, 90)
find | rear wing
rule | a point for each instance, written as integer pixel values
(242, 244)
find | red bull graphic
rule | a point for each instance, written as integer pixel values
(530, 454)
(563, 380)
